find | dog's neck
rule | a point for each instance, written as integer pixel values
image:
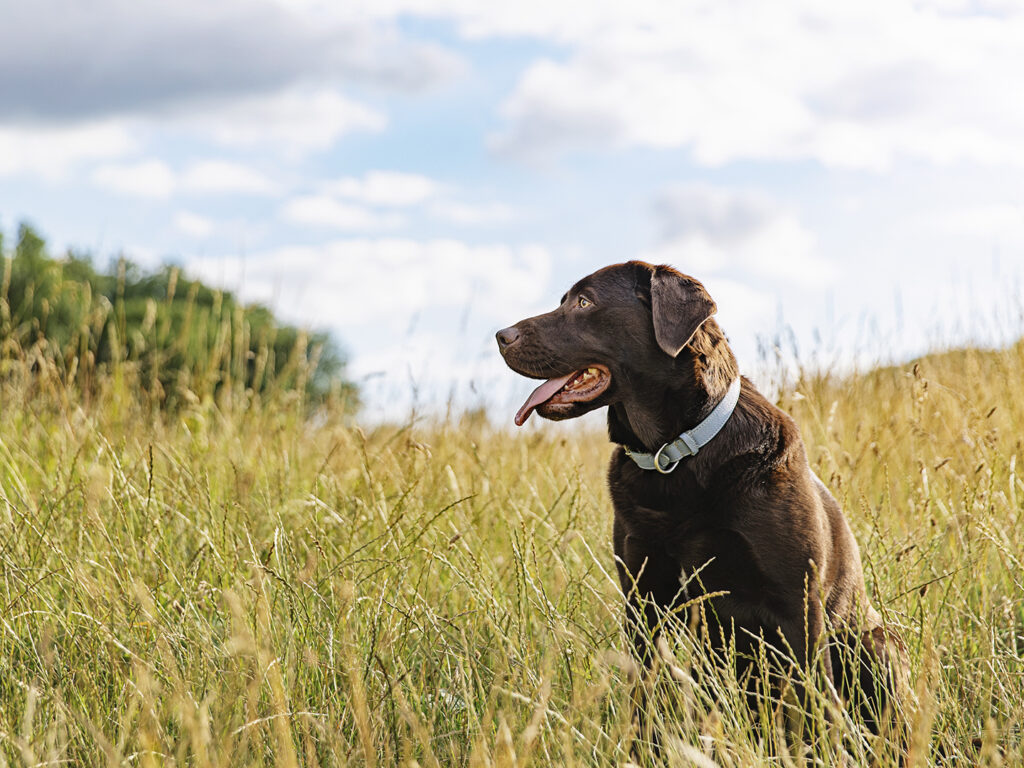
(659, 409)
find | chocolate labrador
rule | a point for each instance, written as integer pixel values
(712, 490)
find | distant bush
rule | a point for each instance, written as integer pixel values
(181, 341)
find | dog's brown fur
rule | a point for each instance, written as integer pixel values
(746, 512)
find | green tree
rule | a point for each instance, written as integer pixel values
(182, 338)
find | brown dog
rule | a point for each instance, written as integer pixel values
(745, 513)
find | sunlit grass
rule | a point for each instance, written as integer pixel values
(241, 584)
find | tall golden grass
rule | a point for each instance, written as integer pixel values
(238, 584)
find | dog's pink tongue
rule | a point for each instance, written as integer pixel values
(540, 394)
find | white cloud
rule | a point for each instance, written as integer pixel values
(386, 282)
(193, 225)
(1000, 223)
(564, 22)
(733, 81)
(717, 213)
(168, 56)
(153, 178)
(219, 176)
(385, 188)
(782, 249)
(712, 230)
(325, 211)
(145, 178)
(390, 189)
(52, 152)
(294, 122)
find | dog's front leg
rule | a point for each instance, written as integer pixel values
(650, 582)
(806, 647)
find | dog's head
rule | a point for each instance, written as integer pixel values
(622, 325)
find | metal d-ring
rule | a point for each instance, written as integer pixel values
(669, 468)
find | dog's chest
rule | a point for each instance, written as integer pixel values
(680, 521)
(657, 506)
(703, 558)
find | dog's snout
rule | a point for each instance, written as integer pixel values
(507, 337)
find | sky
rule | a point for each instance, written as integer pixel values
(847, 179)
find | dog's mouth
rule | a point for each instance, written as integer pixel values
(577, 387)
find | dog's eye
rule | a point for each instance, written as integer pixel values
(584, 302)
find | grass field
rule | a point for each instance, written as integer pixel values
(238, 584)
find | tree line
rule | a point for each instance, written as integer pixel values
(178, 339)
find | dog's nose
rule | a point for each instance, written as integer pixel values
(507, 337)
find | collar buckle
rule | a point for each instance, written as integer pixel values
(667, 458)
(670, 466)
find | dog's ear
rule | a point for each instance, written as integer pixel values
(679, 305)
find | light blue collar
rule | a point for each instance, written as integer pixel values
(666, 458)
